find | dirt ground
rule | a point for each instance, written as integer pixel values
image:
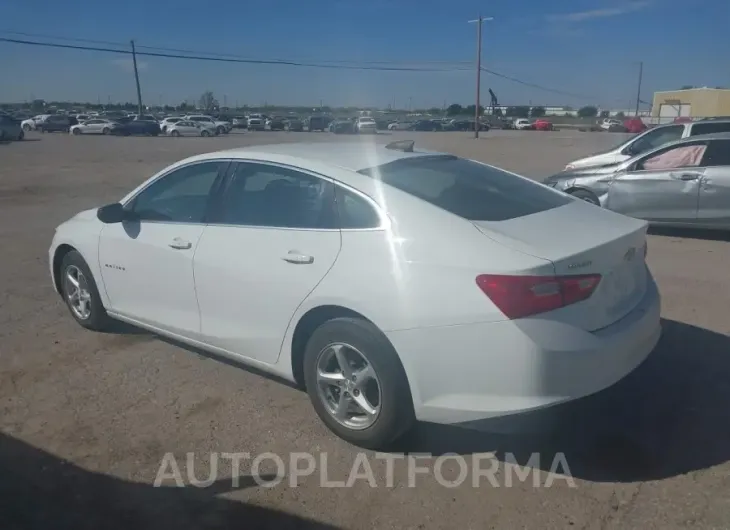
(86, 418)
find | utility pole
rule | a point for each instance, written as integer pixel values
(136, 78)
(479, 22)
(638, 91)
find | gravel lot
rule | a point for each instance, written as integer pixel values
(86, 418)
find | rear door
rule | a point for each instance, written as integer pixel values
(272, 240)
(714, 200)
(663, 186)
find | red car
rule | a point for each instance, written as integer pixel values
(542, 125)
(635, 125)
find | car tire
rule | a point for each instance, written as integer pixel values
(26, 127)
(94, 316)
(203, 133)
(75, 132)
(105, 130)
(21, 135)
(587, 196)
(175, 133)
(221, 130)
(359, 341)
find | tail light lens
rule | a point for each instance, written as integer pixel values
(522, 296)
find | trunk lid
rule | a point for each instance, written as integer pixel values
(579, 239)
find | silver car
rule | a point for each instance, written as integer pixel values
(93, 126)
(684, 183)
(191, 128)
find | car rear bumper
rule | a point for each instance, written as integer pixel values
(465, 373)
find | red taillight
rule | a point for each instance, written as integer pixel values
(522, 296)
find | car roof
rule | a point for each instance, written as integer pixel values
(711, 136)
(353, 156)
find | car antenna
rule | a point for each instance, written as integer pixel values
(402, 145)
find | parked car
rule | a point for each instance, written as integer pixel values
(144, 117)
(276, 123)
(400, 125)
(343, 126)
(166, 122)
(191, 128)
(635, 125)
(549, 298)
(239, 122)
(607, 123)
(543, 125)
(366, 125)
(137, 128)
(649, 140)
(294, 125)
(684, 183)
(31, 124)
(256, 122)
(56, 123)
(463, 125)
(425, 125)
(94, 126)
(317, 123)
(522, 124)
(223, 127)
(10, 128)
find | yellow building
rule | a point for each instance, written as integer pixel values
(691, 103)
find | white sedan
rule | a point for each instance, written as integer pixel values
(394, 284)
(191, 128)
(93, 126)
(366, 125)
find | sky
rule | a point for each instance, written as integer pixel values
(585, 51)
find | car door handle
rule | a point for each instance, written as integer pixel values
(686, 176)
(298, 259)
(180, 244)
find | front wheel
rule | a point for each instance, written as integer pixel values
(26, 127)
(204, 134)
(81, 294)
(75, 132)
(587, 196)
(357, 384)
(221, 130)
(176, 133)
(105, 130)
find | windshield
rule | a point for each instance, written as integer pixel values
(466, 188)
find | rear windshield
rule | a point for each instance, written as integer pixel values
(468, 189)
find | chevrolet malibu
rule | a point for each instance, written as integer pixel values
(394, 284)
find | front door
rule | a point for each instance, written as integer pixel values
(147, 262)
(663, 186)
(714, 208)
(265, 250)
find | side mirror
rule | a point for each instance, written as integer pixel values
(111, 213)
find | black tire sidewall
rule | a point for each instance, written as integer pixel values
(396, 414)
(98, 319)
(586, 196)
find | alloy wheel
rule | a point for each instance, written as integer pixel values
(348, 386)
(77, 292)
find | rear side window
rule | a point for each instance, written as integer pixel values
(717, 154)
(468, 189)
(709, 128)
(353, 211)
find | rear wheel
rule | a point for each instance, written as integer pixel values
(221, 130)
(587, 196)
(26, 127)
(21, 135)
(357, 384)
(105, 130)
(76, 132)
(203, 133)
(176, 133)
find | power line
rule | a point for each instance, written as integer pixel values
(227, 55)
(174, 53)
(230, 59)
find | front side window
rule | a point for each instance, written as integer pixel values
(180, 196)
(657, 138)
(273, 196)
(474, 191)
(674, 158)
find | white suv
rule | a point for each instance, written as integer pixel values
(222, 127)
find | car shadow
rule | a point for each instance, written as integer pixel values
(667, 418)
(40, 490)
(691, 233)
(6, 142)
